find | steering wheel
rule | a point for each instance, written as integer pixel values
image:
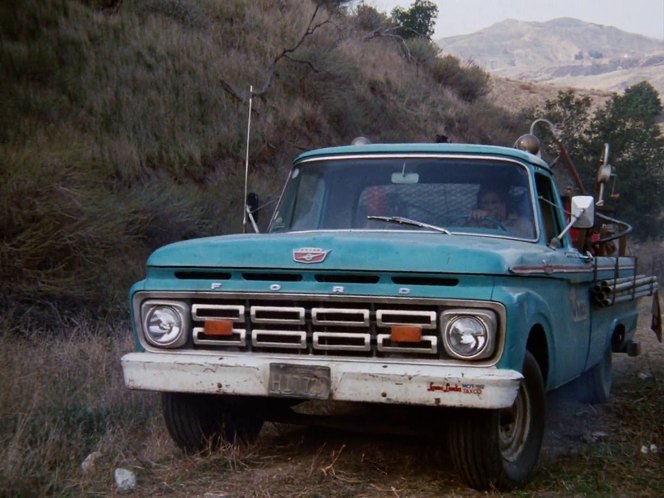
(493, 222)
(486, 221)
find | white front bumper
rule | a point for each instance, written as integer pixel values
(351, 380)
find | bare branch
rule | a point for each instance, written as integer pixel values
(285, 53)
(233, 92)
(384, 32)
(308, 63)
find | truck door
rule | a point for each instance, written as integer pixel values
(569, 289)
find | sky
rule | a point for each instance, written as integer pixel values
(459, 17)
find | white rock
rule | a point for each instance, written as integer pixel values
(654, 448)
(644, 449)
(89, 462)
(125, 480)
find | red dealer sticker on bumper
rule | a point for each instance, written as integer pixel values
(456, 388)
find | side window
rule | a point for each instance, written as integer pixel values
(308, 204)
(547, 201)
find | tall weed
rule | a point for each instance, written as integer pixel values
(65, 405)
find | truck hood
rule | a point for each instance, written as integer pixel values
(353, 251)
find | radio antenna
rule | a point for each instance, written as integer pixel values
(246, 164)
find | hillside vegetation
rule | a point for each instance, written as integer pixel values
(124, 126)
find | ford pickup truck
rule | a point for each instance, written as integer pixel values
(421, 275)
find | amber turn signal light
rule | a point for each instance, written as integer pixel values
(218, 327)
(405, 333)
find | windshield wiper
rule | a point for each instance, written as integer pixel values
(407, 221)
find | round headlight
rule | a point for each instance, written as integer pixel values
(468, 337)
(164, 325)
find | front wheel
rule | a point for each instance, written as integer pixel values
(497, 449)
(202, 422)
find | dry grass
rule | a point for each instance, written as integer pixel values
(66, 399)
(516, 95)
(119, 137)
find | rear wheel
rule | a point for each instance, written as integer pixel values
(594, 385)
(201, 422)
(497, 449)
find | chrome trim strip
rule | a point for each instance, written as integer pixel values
(238, 339)
(363, 322)
(366, 346)
(432, 340)
(556, 269)
(239, 309)
(381, 320)
(424, 155)
(323, 298)
(300, 334)
(285, 310)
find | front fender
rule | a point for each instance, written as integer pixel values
(525, 310)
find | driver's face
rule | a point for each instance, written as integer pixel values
(494, 205)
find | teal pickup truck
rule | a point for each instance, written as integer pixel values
(446, 276)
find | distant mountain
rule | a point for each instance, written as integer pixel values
(563, 51)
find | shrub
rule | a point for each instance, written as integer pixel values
(370, 19)
(470, 82)
(421, 51)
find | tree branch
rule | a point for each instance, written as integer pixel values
(285, 53)
(384, 32)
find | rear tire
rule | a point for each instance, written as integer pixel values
(594, 385)
(202, 422)
(497, 449)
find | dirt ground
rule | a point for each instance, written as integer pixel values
(320, 462)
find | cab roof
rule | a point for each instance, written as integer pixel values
(422, 148)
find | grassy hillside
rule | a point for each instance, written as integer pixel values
(121, 132)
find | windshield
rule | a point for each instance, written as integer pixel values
(461, 195)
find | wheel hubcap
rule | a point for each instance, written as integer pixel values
(514, 426)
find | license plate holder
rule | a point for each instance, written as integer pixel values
(299, 381)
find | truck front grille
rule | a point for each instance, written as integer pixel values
(319, 328)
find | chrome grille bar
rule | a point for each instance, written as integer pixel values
(286, 339)
(237, 339)
(427, 345)
(388, 318)
(218, 311)
(340, 316)
(292, 315)
(341, 341)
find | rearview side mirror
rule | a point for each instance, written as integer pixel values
(583, 211)
(583, 216)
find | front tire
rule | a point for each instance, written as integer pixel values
(202, 422)
(497, 449)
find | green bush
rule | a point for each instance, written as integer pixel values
(422, 52)
(470, 82)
